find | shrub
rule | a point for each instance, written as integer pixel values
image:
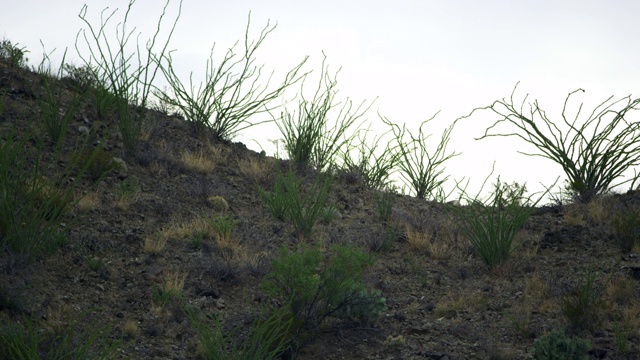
(268, 337)
(130, 82)
(218, 203)
(230, 94)
(384, 204)
(12, 54)
(374, 168)
(222, 227)
(55, 112)
(491, 225)
(584, 305)
(626, 226)
(26, 341)
(319, 287)
(557, 346)
(308, 138)
(32, 208)
(287, 200)
(592, 163)
(420, 167)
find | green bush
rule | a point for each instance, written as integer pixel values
(26, 341)
(268, 337)
(420, 167)
(557, 346)
(626, 226)
(231, 93)
(127, 75)
(309, 139)
(320, 286)
(12, 54)
(287, 200)
(584, 305)
(491, 226)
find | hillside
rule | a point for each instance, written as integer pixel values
(179, 226)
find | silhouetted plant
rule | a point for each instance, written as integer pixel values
(419, 167)
(309, 137)
(592, 156)
(231, 92)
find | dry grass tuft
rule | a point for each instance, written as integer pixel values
(259, 171)
(155, 243)
(89, 201)
(600, 210)
(621, 290)
(130, 329)
(440, 241)
(203, 161)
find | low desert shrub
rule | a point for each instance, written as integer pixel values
(25, 340)
(491, 225)
(321, 285)
(585, 304)
(267, 338)
(626, 226)
(557, 346)
(303, 208)
(13, 54)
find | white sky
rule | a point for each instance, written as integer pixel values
(418, 57)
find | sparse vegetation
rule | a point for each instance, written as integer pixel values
(592, 163)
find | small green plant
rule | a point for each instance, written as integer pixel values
(13, 54)
(268, 338)
(57, 112)
(127, 189)
(286, 200)
(621, 336)
(88, 79)
(128, 76)
(374, 167)
(557, 346)
(626, 226)
(329, 213)
(319, 286)
(366, 305)
(24, 340)
(384, 204)
(95, 263)
(222, 226)
(309, 139)
(99, 162)
(491, 226)
(170, 290)
(584, 305)
(218, 203)
(385, 241)
(231, 93)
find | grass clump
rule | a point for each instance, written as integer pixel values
(557, 346)
(13, 54)
(626, 227)
(320, 286)
(287, 201)
(491, 226)
(26, 340)
(309, 139)
(585, 305)
(267, 337)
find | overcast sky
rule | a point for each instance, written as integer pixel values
(417, 57)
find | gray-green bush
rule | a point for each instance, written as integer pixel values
(557, 346)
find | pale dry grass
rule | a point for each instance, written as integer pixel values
(131, 329)
(574, 215)
(199, 161)
(259, 171)
(600, 210)
(460, 301)
(89, 201)
(174, 282)
(439, 242)
(621, 290)
(155, 243)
